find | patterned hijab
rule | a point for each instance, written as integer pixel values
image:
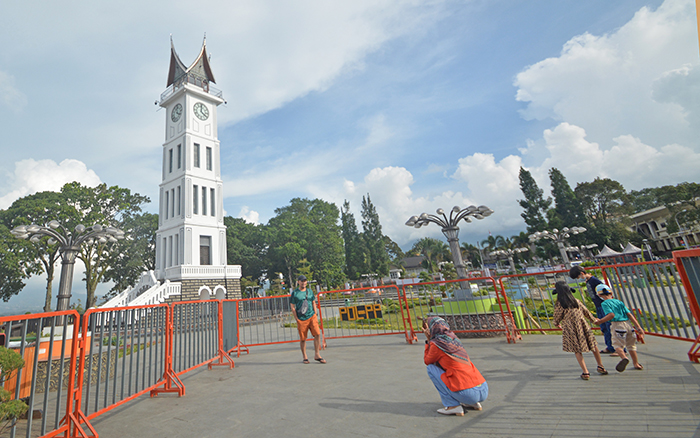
(445, 339)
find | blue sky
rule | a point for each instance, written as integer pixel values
(422, 104)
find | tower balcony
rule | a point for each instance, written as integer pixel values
(195, 80)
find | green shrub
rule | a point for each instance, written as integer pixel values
(10, 410)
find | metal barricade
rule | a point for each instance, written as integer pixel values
(48, 343)
(654, 292)
(261, 321)
(359, 312)
(688, 265)
(124, 355)
(195, 334)
(475, 306)
(531, 298)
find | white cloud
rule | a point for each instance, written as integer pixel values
(250, 216)
(33, 176)
(604, 83)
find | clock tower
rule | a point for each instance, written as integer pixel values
(191, 236)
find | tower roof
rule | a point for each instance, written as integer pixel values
(200, 68)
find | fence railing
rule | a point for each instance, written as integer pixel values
(77, 368)
(48, 343)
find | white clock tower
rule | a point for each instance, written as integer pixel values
(191, 236)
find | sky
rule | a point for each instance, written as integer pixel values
(420, 104)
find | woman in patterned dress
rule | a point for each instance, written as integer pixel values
(577, 336)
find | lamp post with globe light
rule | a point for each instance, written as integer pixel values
(560, 238)
(509, 253)
(70, 243)
(450, 228)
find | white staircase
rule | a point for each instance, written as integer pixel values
(147, 291)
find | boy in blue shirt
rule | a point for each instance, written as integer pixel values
(623, 336)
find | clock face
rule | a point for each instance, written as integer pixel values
(201, 111)
(176, 113)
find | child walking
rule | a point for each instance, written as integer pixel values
(623, 336)
(577, 337)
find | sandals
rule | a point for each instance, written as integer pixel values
(639, 366)
(585, 376)
(320, 360)
(601, 370)
(305, 361)
(620, 367)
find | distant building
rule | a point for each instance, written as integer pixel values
(652, 225)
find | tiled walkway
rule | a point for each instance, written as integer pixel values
(378, 387)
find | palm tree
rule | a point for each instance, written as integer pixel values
(433, 250)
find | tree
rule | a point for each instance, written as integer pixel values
(601, 199)
(135, 253)
(40, 208)
(534, 204)
(567, 211)
(393, 250)
(13, 270)
(247, 245)
(493, 242)
(471, 254)
(434, 251)
(106, 206)
(682, 202)
(307, 229)
(376, 258)
(353, 243)
(604, 203)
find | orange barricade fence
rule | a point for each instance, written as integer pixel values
(124, 355)
(688, 265)
(76, 369)
(475, 305)
(655, 293)
(195, 334)
(532, 301)
(358, 312)
(257, 321)
(48, 343)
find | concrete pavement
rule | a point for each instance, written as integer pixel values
(378, 387)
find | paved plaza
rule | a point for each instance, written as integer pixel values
(378, 387)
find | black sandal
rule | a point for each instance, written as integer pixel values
(601, 370)
(585, 376)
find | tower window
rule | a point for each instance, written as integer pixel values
(208, 158)
(204, 201)
(170, 161)
(179, 156)
(167, 196)
(212, 203)
(196, 155)
(205, 250)
(179, 197)
(195, 200)
(172, 204)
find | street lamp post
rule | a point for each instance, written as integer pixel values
(560, 238)
(585, 249)
(450, 228)
(70, 243)
(509, 253)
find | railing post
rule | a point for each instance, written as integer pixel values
(222, 354)
(172, 381)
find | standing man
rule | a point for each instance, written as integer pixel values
(578, 273)
(302, 303)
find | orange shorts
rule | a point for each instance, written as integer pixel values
(310, 324)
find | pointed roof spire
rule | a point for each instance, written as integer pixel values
(199, 68)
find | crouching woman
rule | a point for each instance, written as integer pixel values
(455, 377)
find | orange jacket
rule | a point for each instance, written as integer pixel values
(458, 375)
